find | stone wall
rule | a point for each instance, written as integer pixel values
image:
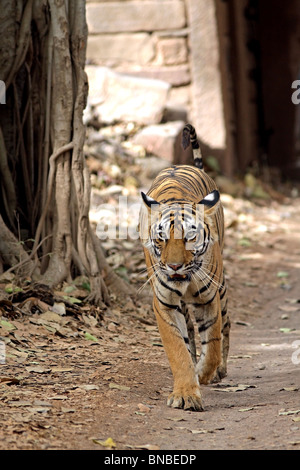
(174, 41)
(147, 38)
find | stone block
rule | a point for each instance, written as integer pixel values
(112, 49)
(164, 141)
(172, 51)
(130, 16)
(118, 97)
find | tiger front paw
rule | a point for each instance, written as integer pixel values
(186, 398)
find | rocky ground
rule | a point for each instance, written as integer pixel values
(76, 376)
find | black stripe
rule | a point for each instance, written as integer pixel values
(222, 295)
(173, 307)
(210, 341)
(167, 286)
(207, 324)
(205, 303)
(205, 287)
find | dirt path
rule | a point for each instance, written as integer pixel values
(64, 389)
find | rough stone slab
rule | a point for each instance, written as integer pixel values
(117, 97)
(164, 141)
(129, 16)
(176, 75)
(115, 48)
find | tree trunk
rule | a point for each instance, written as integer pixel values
(44, 178)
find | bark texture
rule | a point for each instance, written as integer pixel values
(45, 186)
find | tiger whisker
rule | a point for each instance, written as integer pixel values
(200, 271)
(148, 280)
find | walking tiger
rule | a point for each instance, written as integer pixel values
(182, 231)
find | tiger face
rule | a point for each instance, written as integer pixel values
(179, 235)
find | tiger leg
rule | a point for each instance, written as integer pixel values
(186, 392)
(209, 322)
(222, 369)
(190, 331)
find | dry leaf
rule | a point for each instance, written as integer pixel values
(38, 370)
(234, 388)
(147, 447)
(9, 380)
(119, 387)
(286, 413)
(144, 408)
(110, 443)
(289, 308)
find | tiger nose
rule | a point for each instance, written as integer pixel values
(175, 267)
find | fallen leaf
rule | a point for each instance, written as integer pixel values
(295, 443)
(72, 300)
(287, 413)
(234, 388)
(282, 274)
(290, 389)
(38, 370)
(10, 288)
(286, 330)
(90, 337)
(201, 431)
(119, 387)
(148, 447)
(89, 387)
(50, 316)
(241, 356)
(9, 380)
(289, 308)
(62, 369)
(108, 443)
(144, 408)
(7, 325)
(58, 307)
(176, 419)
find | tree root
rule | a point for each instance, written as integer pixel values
(55, 178)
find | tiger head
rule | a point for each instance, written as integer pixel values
(178, 235)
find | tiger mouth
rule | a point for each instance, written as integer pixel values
(179, 277)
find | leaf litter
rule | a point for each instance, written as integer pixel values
(73, 371)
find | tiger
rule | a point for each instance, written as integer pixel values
(182, 233)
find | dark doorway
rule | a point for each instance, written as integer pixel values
(260, 59)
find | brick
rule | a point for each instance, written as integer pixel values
(112, 49)
(130, 16)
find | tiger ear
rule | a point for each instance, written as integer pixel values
(149, 201)
(210, 201)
